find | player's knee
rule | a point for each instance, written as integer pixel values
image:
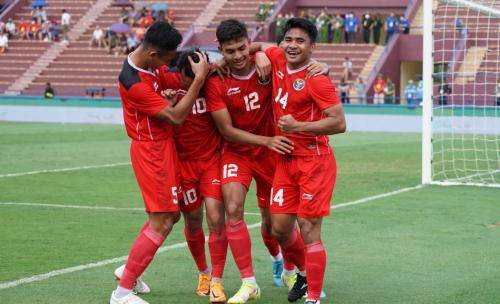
(215, 222)
(280, 234)
(234, 210)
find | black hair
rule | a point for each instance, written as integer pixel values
(303, 24)
(230, 30)
(183, 61)
(162, 36)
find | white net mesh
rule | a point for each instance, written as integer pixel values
(466, 122)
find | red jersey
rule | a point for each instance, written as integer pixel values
(198, 137)
(248, 102)
(379, 86)
(140, 94)
(305, 99)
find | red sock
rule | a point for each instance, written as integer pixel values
(196, 244)
(270, 242)
(146, 225)
(217, 245)
(294, 251)
(241, 247)
(142, 252)
(315, 269)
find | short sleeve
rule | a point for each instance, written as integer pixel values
(143, 98)
(274, 53)
(323, 92)
(213, 96)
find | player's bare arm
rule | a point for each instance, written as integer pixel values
(222, 118)
(175, 115)
(333, 123)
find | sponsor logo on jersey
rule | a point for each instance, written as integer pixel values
(215, 182)
(233, 91)
(311, 146)
(299, 84)
(156, 86)
(280, 74)
(307, 196)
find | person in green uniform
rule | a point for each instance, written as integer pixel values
(338, 29)
(323, 21)
(279, 26)
(377, 25)
(389, 92)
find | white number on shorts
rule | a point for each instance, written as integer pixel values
(230, 170)
(278, 197)
(200, 106)
(190, 196)
(174, 194)
(251, 101)
(281, 100)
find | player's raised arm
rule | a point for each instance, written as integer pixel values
(332, 123)
(176, 115)
(222, 118)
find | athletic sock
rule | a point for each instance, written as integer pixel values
(217, 245)
(241, 247)
(278, 257)
(315, 265)
(294, 251)
(122, 292)
(196, 244)
(142, 252)
(270, 242)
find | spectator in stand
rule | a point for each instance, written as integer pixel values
(49, 92)
(97, 38)
(323, 22)
(367, 23)
(2, 26)
(22, 30)
(389, 91)
(170, 17)
(351, 27)
(444, 89)
(347, 68)
(111, 42)
(378, 89)
(4, 42)
(404, 25)
(330, 28)
(270, 7)
(459, 25)
(124, 15)
(338, 28)
(262, 12)
(391, 27)
(377, 28)
(360, 86)
(146, 20)
(65, 24)
(410, 93)
(10, 28)
(420, 92)
(279, 25)
(344, 91)
(45, 30)
(311, 16)
(34, 30)
(55, 31)
(132, 43)
(122, 42)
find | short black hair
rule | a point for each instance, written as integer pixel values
(183, 61)
(162, 36)
(230, 30)
(303, 24)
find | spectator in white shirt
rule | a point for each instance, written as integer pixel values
(97, 38)
(347, 66)
(10, 28)
(65, 23)
(4, 42)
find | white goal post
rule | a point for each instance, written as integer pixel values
(461, 102)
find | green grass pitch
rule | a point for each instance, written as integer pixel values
(428, 245)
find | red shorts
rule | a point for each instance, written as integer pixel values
(303, 185)
(156, 170)
(200, 178)
(241, 169)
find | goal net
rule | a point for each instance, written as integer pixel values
(464, 135)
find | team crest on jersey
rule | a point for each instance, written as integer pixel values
(299, 84)
(233, 91)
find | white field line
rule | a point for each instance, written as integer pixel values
(63, 170)
(45, 276)
(84, 207)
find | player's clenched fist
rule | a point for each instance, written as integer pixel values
(200, 68)
(287, 123)
(280, 144)
(170, 95)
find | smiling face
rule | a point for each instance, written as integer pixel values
(297, 46)
(236, 53)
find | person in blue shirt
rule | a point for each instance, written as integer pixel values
(420, 92)
(404, 25)
(351, 27)
(410, 93)
(391, 27)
